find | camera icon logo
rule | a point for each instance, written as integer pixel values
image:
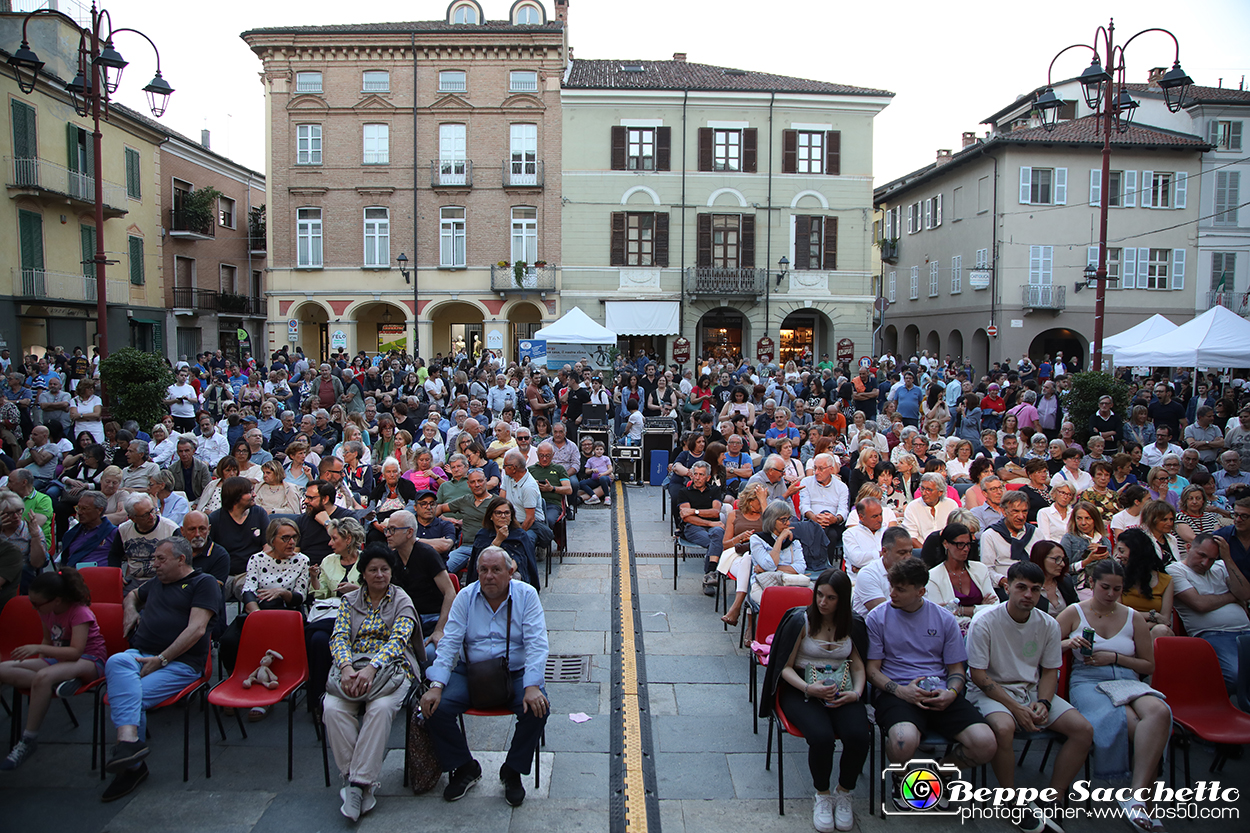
(918, 786)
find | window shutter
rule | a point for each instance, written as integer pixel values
(833, 153)
(937, 210)
(1234, 135)
(136, 261)
(1026, 185)
(616, 250)
(1178, 269)
(1130, 188)
(1061, 186)
(1128, 268)
(831, 244)
(1147, 189)
(1143, 268)
(663, 148)
(746, 247)
(1213, 132)
(618, 148)
(706, 161)
(71, 146)
(1095, 186)
(750, 154)
(158, 337)
(703, 252)
(88, 251)
(25, 142)
(928, 213)
(1182, 187)
(789, 151)
(660, 241)
(30, 233)
(889, 224)
(802, 242)
(133, 175)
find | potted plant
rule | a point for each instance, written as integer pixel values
(540, 263)
(518, 272)
(199, 209)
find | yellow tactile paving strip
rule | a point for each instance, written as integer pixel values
(635, 791)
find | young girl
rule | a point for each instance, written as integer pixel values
(72, 652)
(598, 485)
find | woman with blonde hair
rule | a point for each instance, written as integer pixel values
(1086, 540)
(210, 500)
(274, 494)
(1158, 519)
(865, 470)
(741, 523)
(404, 453)
(1194, 517)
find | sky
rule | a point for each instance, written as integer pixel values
(949, 64)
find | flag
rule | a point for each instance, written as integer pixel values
(1220, 286)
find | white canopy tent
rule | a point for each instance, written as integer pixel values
(1217, 338)
(575, 327)
(1153, 327)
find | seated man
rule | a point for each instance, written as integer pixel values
(139, 470)
(698, 510)
(521, 490)
(88, 542)
(422, 573)
(928, 513)
(470, 510)
(1211, 594)
(1014, 656)
(553, 482)
(439, 533)
(918, 674)
(137, 539)
(483, 628)
(1009, 539)
(167, 621)
(861, 543)
(169, 504)
(872, 584)
(823, 502)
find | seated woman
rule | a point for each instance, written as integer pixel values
(1037, 489)
(242, 454)
(865, 470)
(357, 476)
(1158, 519)
(404, 452)
(1122, 650)
(679, 471)
(977, 472)
(775, 551)
(1148, 588)
(335, 577)
(477, 460)
(390, 494)
(809, 651)
(955, 583)
(501, 529)
(298, 472)
(275, 495)
(1058, 589)
(734, 557)
(1053, 521)
(71, 653)
(1157, 487)
(1086, 542)
(1100, 494)
(597, 482)
(426, 475)
(959, 467)
(1194, 518)
(210, 500)
(377, 619)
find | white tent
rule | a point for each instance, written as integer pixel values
(1153, 327)
(1217, 338)
(575, 327)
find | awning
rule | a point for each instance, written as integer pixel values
(643, 318)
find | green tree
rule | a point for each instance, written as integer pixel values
(137, 382)
(1081, 401)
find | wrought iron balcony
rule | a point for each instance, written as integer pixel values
(34, 176)
(192, 298)
(41, 285)
(1238, 302)
(182, 226)
(724, 281)
(519, 174)
(1044, 298)
(533, 279)
(451, 173)
(889, 251)
(228, 303)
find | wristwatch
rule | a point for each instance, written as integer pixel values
(164, 662)
(1044, 702)
(436, 684)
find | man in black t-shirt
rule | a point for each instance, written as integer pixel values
(1165, 410)
(422, 573)
(319, 510)
(722, 393)
(575, 398)
(169, 651)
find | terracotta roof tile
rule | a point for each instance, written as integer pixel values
(1087, 131)
(490, 26)
(1200, 95)
(683, 75)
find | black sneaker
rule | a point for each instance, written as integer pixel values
(68, 688)
(460, 780)
(18, 755)
(126, 754)
(513, 792)
(1031, 820)
(896, 793)
(125, 783)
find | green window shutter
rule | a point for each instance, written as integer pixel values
(71, 144)
(133, 175)
(136, 261)
(88, 251)
(25, 142)
(30, 230)
(158, 336)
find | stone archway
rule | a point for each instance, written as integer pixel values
(933, 343)
(911, 343)
(456, 325)
(724, 332)
(1057, 340)
(889, 340)
(381, 327)
(314, 337)
(524, 319)
(980, 353)
(955, 346)
(805, 327)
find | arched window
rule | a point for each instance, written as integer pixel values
(465, 12)
(528, 16)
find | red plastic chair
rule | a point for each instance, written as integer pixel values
(784, 727)
(455, 581)
(281, 631)
(105, 584)
(773, 606)
(110, 618)
(19, 625)
(1178, 625)
(502, 712)
(1187, 672)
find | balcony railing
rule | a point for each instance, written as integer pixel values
(889, 251)
(189, 297)
(533, 279)
(722, 281)
(228, 303)
(1052, 298)
(523, 174)
(40, 175)
(1238, 302)
(451, 173)
(181, 225)
(41, 285)
(256, 242)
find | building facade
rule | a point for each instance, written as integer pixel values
(686, 185)
(438, 140)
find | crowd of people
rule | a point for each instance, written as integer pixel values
(915, 497)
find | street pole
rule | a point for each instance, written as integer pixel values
(97, 149)
(1100, 289)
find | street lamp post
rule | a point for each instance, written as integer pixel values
(402, 260)
(99, 74)
(1105, 94)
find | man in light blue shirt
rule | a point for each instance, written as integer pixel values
(908, 398)
(954, 390)
(492, 618)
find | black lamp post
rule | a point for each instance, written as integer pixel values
(783, 267)
(99, 75)
(1105, 93)
(402, 260)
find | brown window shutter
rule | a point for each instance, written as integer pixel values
(703, 256)
(789, 151)
(660, 240)
(663, 148)
(618, 148)
(616, 253)
(831, 243)
(833, 153)
(705, 149)
(746, 242)
(802, 242)
(749, 154)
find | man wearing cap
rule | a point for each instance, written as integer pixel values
(439, 533)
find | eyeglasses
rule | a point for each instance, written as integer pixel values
(291, 537)
(963, 545)
(388, 530)
(502, 513)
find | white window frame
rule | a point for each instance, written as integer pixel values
(1224, 263)
(891, 289)
(1157, 269)
(308, 144)
(935, 274)
(1225, 134)
(640, 148)
(915, 283)
(377, 237)
(452, 238)
(983, 259)
(461, 13)
(375, 81)
(523, 81)
(453, 159)
(957, 274)
(309, 81)
(913, 218)
(523, 149)
(809, 152)
(525, 234)
(309, 253)
(1032, 185)
(1158, 189)
(528, 7)
(227, 212)
(377, 144)
(726, 149)
(453, 81)
(1041, 265)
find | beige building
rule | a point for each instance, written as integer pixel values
(439, 140)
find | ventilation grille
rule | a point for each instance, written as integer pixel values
(567, 668)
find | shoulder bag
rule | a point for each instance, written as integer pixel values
(386, 681)
(490, 681)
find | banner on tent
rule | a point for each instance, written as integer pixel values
(535, 349)
(594, 356)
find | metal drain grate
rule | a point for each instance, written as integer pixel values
(668, 554)
(568, 668)
(560, 555)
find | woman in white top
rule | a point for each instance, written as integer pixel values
(1071, 472)
(275, 495)
(1132, 500)
(774, 548)
(955, 582)
(1159, 520)
(85, 409)
(739, 403)
(164, 445)
(958, 468)
(1052, 522)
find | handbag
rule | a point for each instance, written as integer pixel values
(386, 681)
(839, 677)
(490, 681)
(420, 760)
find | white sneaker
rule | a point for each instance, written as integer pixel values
(822, 813)
(368, 801)
(843, 817)
(351, 795)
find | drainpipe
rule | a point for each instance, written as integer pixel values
(681, 295)
(416, 167)
(768, 246)
(994, 287)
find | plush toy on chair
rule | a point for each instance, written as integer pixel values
(263, 674)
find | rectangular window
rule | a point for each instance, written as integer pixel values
(452, 154)
(1040, 186)
(811, 152)
(891, 294)
(913, 218)
(983, 195)
(225, 212)
(30, 232)
(957, 198)
(1223, 271)
(1115, 189)
(523, 81)
(229, 278)
(1041, 265)
(639, 239)
(136, 261)
(933, 212)
(377, 144)
(376, 81)
(453, 81)
(934, 276)
(1114, 258)
(1161, 190)
(1157, 268)
(308, 82)
(915, 282)
(377, 237)
(308, 144)
(957, 274)
(451, 238)
(815, 243)
(1225, 135)
(727, 150)
(1227, 197)
(525, 234)
(524, 155)
(88, 240)
(308, 238)
(640, 151)
(134, 175)
(725, 231)
(983, 259)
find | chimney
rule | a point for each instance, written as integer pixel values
(562, 11)
(1154, 75)
(943, 156)
(679, 56)
(204, 136)
(969, 139)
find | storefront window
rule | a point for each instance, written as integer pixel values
(797, 334)
(721, 335)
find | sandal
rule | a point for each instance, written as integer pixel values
(1136, 814)
(728, 621)
(258, 714)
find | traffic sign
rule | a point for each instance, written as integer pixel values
(881, 304)
(992, 330)
(865, 362)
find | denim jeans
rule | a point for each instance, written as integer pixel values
(1225, 645)
(130, 696)
(458, 558)
(449, 743)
